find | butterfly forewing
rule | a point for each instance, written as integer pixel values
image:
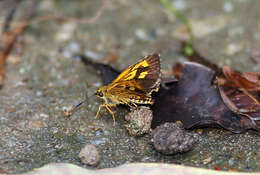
(144, 75)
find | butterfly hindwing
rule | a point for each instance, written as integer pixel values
(131, 93)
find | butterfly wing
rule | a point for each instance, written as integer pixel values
(130, 92)
(142, 77)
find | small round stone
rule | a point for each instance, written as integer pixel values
(89, 155)
(139, 121)
(67, 111)
(171, 138)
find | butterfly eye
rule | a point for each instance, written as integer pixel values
(99, 93)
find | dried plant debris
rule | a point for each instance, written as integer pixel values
(240, 92)
(171, 138)
(197, 102)
(201, 99)
(139, 121)
(10, 35)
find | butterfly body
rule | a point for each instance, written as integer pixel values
(133, 86)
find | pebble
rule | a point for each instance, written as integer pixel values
(67, 111)
(89, 155)
(139, 121)
(171, 138)
(233, 48)
(43, 115)
(228, 6)
(202, 28)
(142, 35)
(66, 31)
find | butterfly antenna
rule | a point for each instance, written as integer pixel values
(70, 111)
(78, 105)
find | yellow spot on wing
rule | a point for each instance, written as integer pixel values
(131, 75)
(130, 72)
(143, 74)
(143, 63)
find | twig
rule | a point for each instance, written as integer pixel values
(106, 5)
(187, 49)
(21, 25)
(9, 18)
(10, 36)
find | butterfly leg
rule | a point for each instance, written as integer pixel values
(99, 108)
(131, 105)
(111, 112)
(134, 105)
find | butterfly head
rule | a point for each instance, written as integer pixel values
(102, 92)
(99, 93)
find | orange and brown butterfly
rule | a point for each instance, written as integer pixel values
(133, 86)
